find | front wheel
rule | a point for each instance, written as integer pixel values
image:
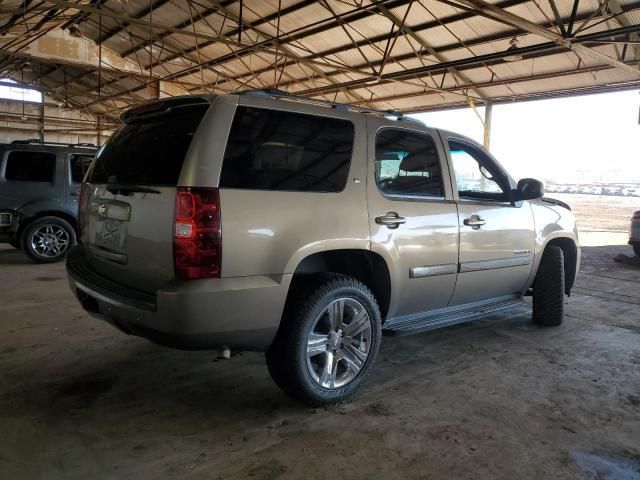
(48, 239)
(548, 288)
(328, 341)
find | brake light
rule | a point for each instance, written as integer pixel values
(197, 234)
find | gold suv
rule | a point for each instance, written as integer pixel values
(308, 230)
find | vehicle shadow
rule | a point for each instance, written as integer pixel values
(13, 256)
(144, 380)
(608, 257)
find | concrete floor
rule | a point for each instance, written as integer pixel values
(499, 398)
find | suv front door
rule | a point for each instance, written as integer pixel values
(412, 216)
(496, 236)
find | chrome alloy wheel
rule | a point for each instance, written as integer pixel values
(50, 241)
(339, 343)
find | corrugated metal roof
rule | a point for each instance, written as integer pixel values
(369, 51)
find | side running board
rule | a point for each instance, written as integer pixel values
(444, 317)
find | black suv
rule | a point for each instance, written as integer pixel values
(39, 189)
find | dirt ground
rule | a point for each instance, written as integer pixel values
(499, 398)
(600, 213)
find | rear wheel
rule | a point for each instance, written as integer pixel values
(328, 341)
(48, 239)
(548, 288)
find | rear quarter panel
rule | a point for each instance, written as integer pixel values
(271, 232)
(31, 198)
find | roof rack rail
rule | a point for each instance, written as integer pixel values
(275, 93)
(35, 141)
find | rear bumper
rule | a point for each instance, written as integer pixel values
(241, 312)
(9, 223)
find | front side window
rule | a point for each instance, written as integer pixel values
(407, 163)
(476, 176)
(30, 166)
(276, 150)
(79, 166)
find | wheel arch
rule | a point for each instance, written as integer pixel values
(365, 266)
(570, 252)
(47, 213)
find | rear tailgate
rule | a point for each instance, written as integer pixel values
(127, 223)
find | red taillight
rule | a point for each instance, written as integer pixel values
(197, 237)
(636, 215)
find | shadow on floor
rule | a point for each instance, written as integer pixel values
(13, 256)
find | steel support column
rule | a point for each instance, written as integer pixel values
(488, 114)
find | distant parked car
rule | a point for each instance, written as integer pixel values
(39, 190)
(634, 232)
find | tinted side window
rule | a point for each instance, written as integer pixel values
(275, 150)
(476, 176)
(79, 166)
(30, 166)
(407, 164)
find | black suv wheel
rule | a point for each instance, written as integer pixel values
(48, 239)
(548, 288)
(328, 340)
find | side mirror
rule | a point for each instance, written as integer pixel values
(528, 189)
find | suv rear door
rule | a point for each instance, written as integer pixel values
(127, 226)
(412, 215)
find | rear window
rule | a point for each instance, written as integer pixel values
(30, 166)
(79, 166)
(149, 151)
(275, 150)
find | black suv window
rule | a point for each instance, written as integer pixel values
(407, 163)
(477, 177)
(149, 150)
(275, 150)
(30, 166)
(79, 166)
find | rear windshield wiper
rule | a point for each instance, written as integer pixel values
(127, 189)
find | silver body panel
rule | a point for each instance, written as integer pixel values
(434, 260)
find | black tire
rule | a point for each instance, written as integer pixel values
(51, 228)
(636, 249)
(548, 289)
(307, 310)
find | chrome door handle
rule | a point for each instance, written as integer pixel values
(474, 221)
(391, 220)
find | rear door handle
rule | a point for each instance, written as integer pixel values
(474, 221)
(391, 220)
